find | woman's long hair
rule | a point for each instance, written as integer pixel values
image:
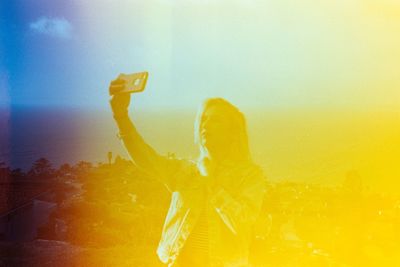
(239, 139)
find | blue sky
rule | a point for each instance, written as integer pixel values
(39, 52)
(255, 53)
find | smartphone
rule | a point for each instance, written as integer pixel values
(135, 82)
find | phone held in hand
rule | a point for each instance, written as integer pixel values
(135, 82)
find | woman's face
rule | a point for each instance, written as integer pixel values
(215, 130)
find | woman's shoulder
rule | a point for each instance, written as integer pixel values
(250, 170)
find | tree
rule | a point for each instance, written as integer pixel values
(17, 173)
(41, 168)
(83, 167)
(65, 170)
(4, 171)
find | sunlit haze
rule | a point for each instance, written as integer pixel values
(341, 54)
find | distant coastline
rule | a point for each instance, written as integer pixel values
(293, 145)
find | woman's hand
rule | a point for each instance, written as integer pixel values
(119, 101)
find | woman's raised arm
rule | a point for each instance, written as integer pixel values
(142, 154)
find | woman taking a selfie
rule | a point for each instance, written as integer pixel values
(216, 200)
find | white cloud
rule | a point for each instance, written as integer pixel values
(56, 27)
